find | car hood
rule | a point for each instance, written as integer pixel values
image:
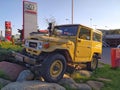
(50, 39)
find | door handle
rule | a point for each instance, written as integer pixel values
(79, 40)
(88, 46)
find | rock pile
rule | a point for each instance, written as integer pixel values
(66, 82)
(33, 85)
(26, 81)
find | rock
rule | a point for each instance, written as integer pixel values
(83, 87)
(67, 81)
(4, 82)
(95, 85)
(104, 79)
(32, 85)
(11, 70)
(66, 76)
(85, 73)
(25, 75)
(81, 73)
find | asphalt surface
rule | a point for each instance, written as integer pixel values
(106, 55)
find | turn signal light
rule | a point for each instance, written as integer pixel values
(46, 45)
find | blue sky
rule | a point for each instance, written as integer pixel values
(93, 13)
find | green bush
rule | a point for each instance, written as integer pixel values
(8, 46)
(6, 49)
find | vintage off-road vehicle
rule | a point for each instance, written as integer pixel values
(66, 46)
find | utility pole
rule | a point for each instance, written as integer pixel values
(91, 22)
(72, 14)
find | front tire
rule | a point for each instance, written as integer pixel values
(91, 66)
(54, 68)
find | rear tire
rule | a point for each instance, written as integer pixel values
(54, 68)
(93, 64)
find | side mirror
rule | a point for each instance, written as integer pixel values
(50, 29)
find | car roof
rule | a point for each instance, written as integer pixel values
(94, 30)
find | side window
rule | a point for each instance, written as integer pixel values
(85, 34)
(96, 37)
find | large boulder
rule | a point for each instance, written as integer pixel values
(96, 85)
(32, 85)
(11, 70)
(68, 82)
(83, 86)
(104, 79)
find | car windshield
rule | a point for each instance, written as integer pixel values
(66, 30)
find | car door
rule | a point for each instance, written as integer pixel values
(83, 45)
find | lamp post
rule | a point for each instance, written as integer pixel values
(91, 22)
(72, 14)
(95, 26)
(67, 20)
(106, 27)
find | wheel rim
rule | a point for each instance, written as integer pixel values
(56, 68)
(94, 63)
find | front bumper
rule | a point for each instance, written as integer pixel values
(30, 63)
(22, 58)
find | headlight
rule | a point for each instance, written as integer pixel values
(39, 45)
(26, 43)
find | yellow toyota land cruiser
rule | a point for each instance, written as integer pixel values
(66, 46)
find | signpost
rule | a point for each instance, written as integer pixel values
(29, 18)
(8, 30)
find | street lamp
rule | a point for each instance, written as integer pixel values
(67, 20)
(91, 22)
(95, 26)
(106, 27)
(72, 14)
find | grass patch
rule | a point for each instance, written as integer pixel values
(1, 86)
(108, 72)
(3, 75)
(104, 72)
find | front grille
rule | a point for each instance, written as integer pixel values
(33, 44)
(32, 52)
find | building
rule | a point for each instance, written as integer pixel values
(111, 37)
